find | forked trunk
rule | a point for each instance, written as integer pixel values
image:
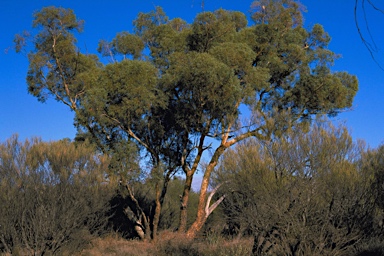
(200, 218)
(142, 226)
(203, 210)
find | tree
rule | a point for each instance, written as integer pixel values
(190, 89)
(57, 69)
(304, 193)
(170, 216)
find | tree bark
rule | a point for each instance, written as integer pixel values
(159, 203)
(201, 213)
(184, 201)
(156, 216)
(142, 222)
(139, 230)
(147, 227)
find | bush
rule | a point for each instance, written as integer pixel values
(304, 193)
(374, 247)
(51, 196)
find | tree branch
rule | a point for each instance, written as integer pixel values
(210, 209)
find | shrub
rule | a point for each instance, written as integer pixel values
(51, 196)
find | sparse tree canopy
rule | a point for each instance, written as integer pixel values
(191, 86)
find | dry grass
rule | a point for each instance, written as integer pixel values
(169, 243)
(113, 245)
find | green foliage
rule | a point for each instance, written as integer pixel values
(56, 67)
(212, 28)
(170, 212)
(199, 79)
(373, 163)
(57, 20)
(207, 69)
(124, 44)
(278, 13)
(52, 197)
(303, 193)
(144, 193)
(124, 85)
(192, 83)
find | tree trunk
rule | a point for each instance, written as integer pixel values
(139, 230)
(184, 202)
(156, 216)
(159, 203)
(202, 215)
(142, 221)
(147, 227)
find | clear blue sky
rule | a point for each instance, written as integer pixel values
(21, 113)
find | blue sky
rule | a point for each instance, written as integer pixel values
(21, 113)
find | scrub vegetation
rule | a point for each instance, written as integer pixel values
(242, 106)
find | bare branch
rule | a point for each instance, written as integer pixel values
(365, 42)
(210, 209)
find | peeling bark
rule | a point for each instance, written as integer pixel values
(201, 208)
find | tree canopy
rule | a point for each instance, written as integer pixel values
(179, 85)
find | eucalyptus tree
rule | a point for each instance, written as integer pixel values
(174, 87)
